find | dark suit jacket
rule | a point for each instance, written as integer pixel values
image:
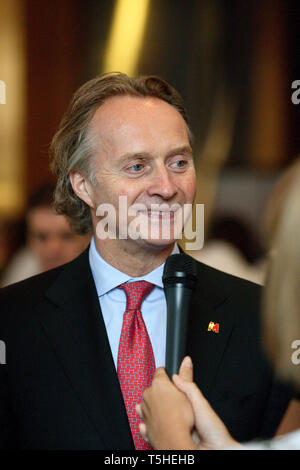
(59, 388)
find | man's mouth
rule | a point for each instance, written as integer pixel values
(153, 214)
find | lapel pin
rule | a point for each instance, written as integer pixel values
(213, 327)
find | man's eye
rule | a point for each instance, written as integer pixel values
(135, 168)
(180, 164)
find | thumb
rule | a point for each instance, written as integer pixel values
(189, 388)
(186, 370)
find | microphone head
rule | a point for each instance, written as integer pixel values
(180, 268)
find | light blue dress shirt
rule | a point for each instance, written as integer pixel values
(113, 303)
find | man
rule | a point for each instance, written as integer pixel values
(50, 242)
(80, 345)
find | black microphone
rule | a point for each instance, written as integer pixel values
(179, 278)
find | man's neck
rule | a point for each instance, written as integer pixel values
(134, 260)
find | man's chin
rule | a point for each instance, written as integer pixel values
(157, 244)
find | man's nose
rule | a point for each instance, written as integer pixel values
(163, 185)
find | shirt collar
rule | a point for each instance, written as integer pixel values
(107, 277)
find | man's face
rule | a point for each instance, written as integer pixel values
(51, 239)
(144, 154)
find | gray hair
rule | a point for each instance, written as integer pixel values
(73, 146)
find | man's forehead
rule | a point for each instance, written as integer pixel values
(122, 107)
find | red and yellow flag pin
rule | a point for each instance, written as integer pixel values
(213, 327)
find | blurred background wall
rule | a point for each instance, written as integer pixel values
(233, 62)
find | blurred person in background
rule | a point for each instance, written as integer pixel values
(50, 242)
(171, 411)
(271, 220)
(233, 248)
(276, 199)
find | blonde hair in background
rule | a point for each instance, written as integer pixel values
(281, 300)
(277, 198)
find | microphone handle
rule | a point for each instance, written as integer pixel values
(178, 300)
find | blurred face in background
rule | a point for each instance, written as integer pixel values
(51, 239)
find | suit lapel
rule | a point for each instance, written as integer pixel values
(74, 324)
(72, 320)
(206, 347)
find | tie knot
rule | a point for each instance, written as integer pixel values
(136, 292)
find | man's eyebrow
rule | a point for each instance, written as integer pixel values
(185, 149)
(127, 157)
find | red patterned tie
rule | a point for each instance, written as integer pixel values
(136, 364)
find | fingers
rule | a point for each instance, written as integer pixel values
(142, 425)
(138, 409)
(201, 407)
(189, 388)
(160, 402)
(186, 369)
(198, 401)
(143, 431)
(159, 377)
(159, 381)
(160, 373)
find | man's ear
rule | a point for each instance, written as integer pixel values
(82, 187)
